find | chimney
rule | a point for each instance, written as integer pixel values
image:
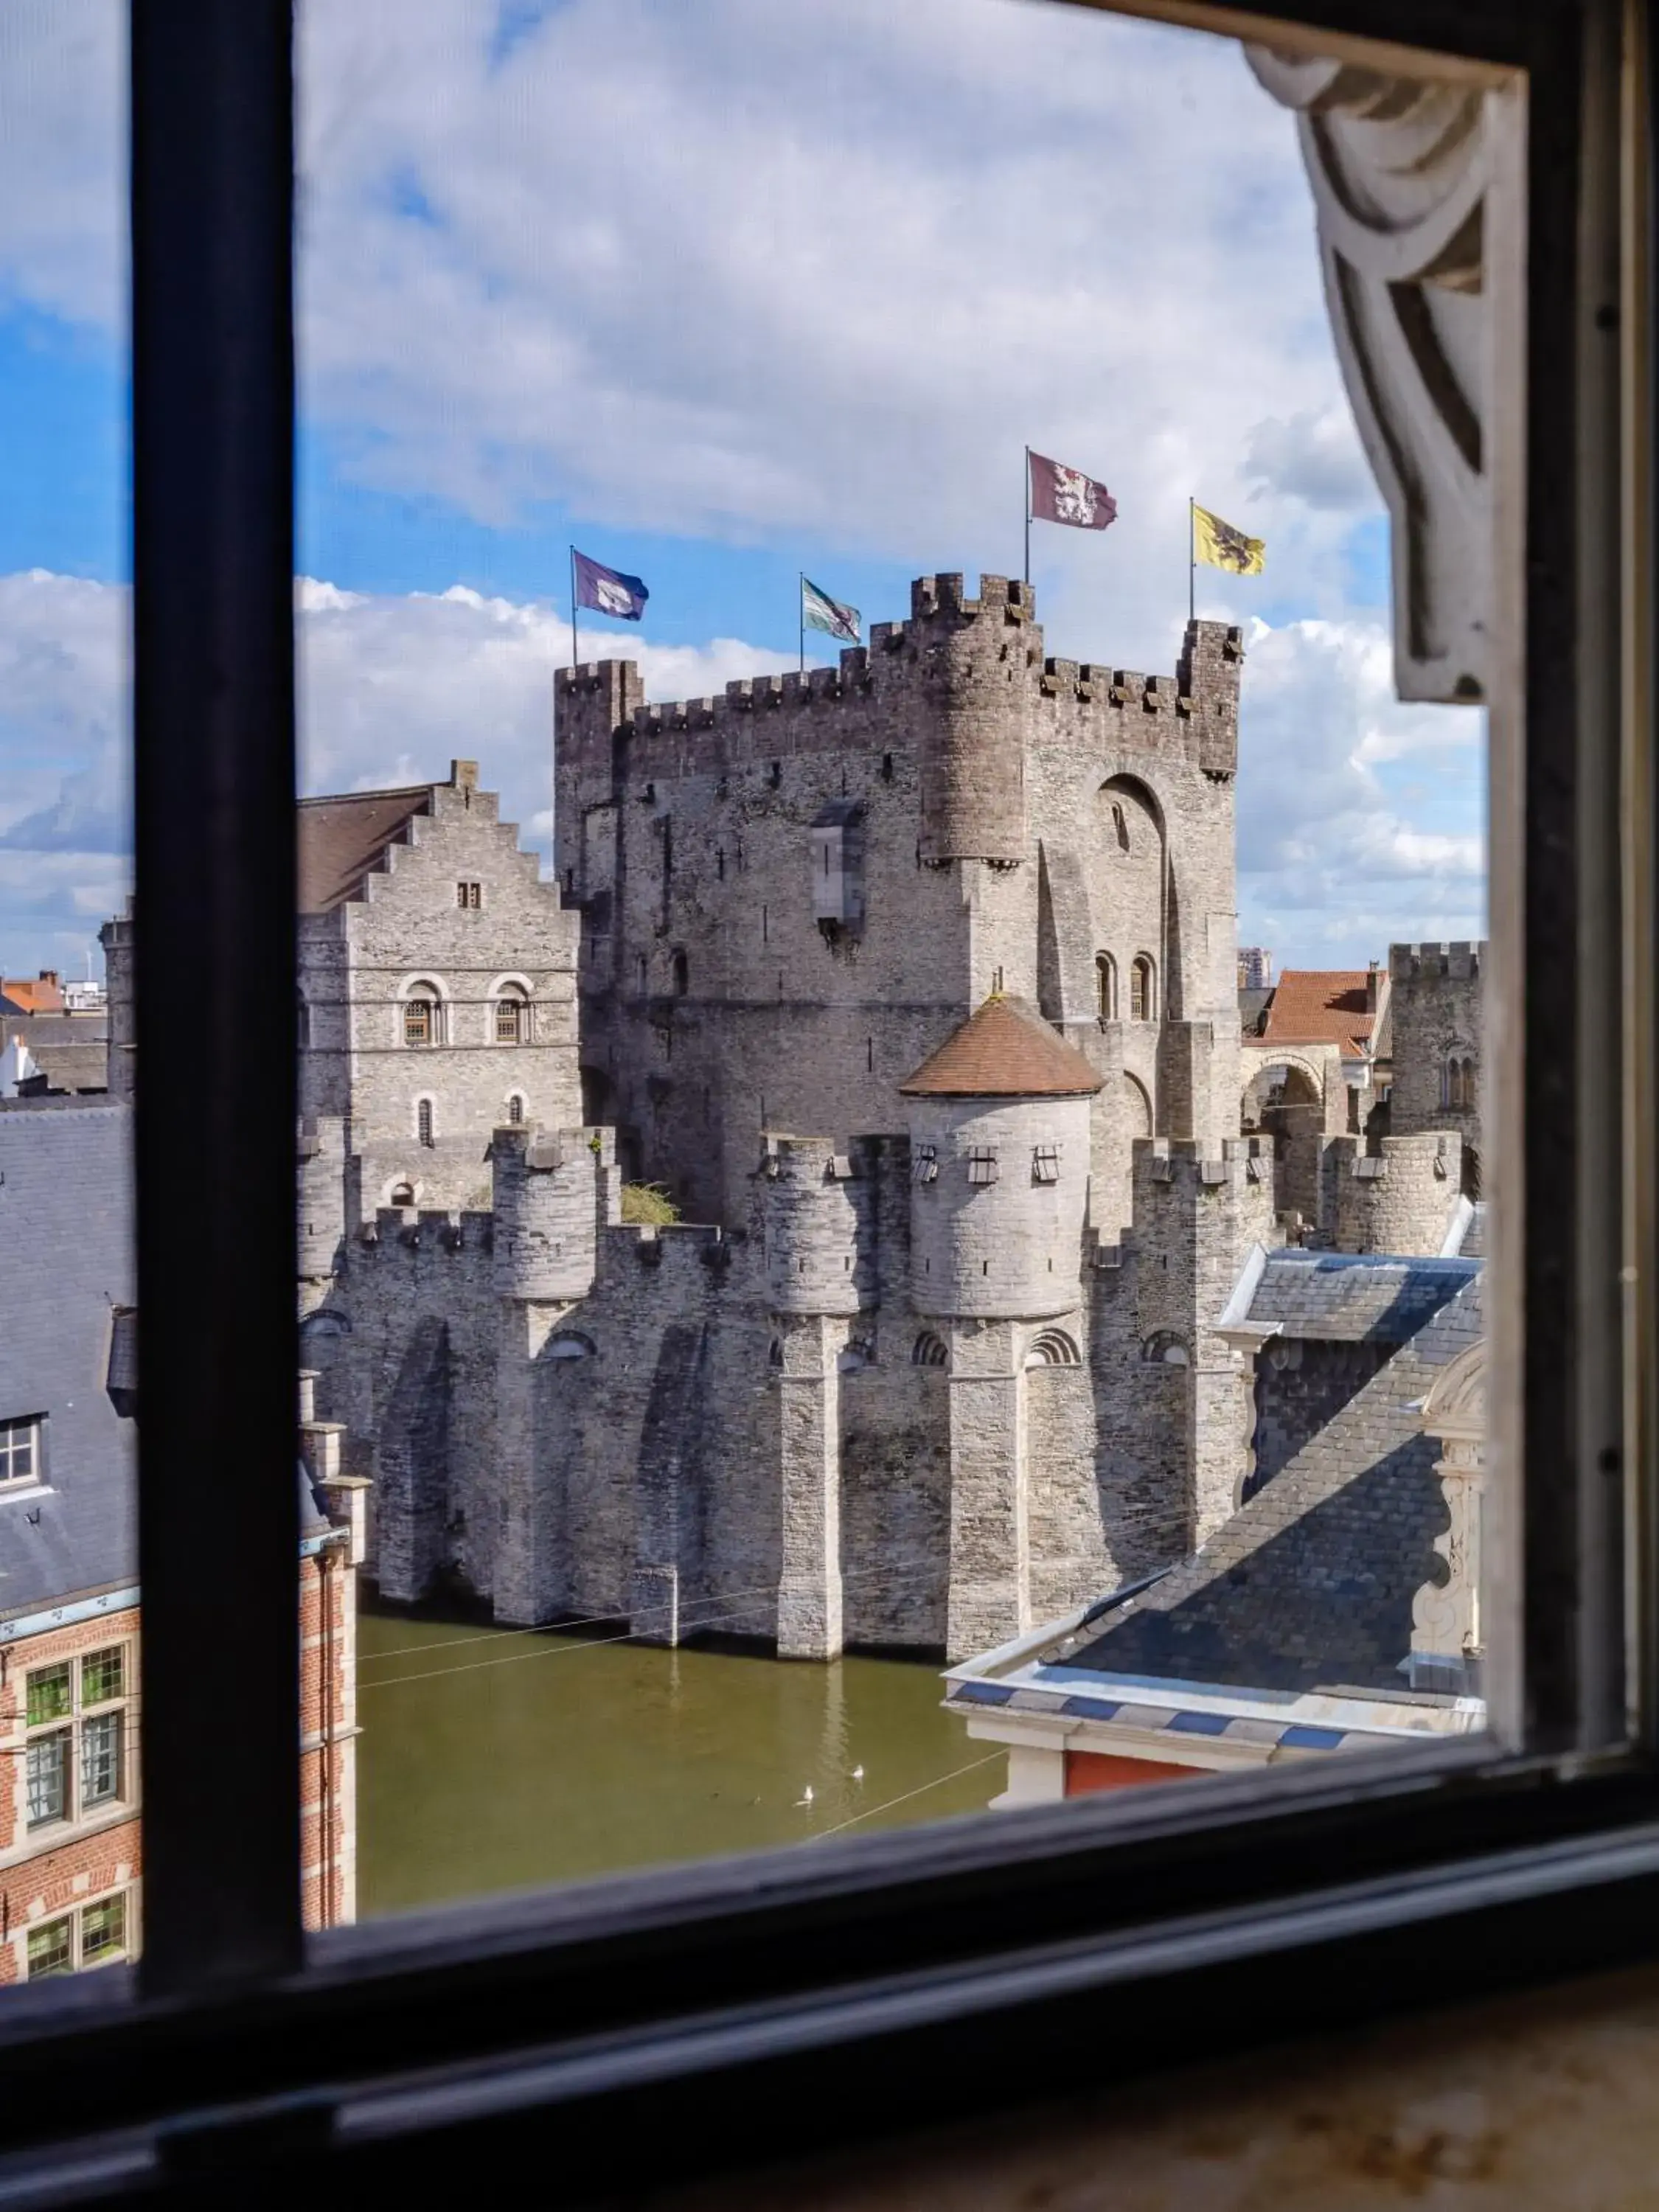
(1373, 978)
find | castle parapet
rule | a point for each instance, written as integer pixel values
(548, 1190)
(817, 1211)
(1461, 961)
(1399, 1198)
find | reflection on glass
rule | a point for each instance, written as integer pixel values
(850, 1177)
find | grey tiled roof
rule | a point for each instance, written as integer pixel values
(1309, 1585)
(1353, 1297)
(65, 1213)
(1474, 1246)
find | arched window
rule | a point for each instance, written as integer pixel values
(423, 1120)
(1143, 1002)
(1163, 1348)
(1120, 827)
(682, 976)
(515, 1112)
(1105, 986)
(423, 1015)
(929, 1351)
(403, 1194)
(1457, 1084)
(1052, 1347)
(509, 1015)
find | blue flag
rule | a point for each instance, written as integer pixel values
(607, 591)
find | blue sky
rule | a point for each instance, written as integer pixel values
(723, 292)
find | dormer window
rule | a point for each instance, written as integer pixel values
(982, 1166)
(469, 896)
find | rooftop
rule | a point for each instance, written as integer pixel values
(1005, 1050)
(341, 840)
(1323, 1006)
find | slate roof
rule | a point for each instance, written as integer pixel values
(341, 840)
(1254, 1000)
(1005, 1050)
(1320, 1006)
(1349, 1297)
(1309, 1585)
(67, 1214)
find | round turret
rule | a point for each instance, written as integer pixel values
(974, 661)
(546, 1209)
(998, 1168)
(322, 1224)
(815, 1209)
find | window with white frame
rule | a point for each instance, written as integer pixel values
(76, 1713)
(94, 1934)
(511, 1010)
(21, 1443)
(422, 1016)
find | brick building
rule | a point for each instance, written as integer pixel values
(71, 1684)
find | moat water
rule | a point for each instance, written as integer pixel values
(491, 1759)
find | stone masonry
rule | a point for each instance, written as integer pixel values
(913, 981)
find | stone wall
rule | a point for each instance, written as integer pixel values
(982, 779)
(1438, 1017)
(1400, 1198)
(358, 962)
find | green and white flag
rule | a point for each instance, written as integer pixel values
(819, 611)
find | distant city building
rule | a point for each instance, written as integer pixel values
(1256, 968)
(71, 1821)
(42, 995)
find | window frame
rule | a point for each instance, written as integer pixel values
(709, 2014)
(19, 1485)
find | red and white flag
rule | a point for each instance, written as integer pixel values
(1062, 495)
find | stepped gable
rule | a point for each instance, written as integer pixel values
(341, 840)
(1005, 1050)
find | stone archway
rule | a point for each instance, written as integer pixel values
(1289, 1096)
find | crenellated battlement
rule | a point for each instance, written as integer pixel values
(954, 648)
(397, 1230)
(1462, 961)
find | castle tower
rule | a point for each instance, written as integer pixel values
(548, 1193)
(322, 1205)
(999, 1189)
(1406, 1197)
(117, 939)
(816, 1210)
(1439, 1045)
(1198, 1220)
(974, 659)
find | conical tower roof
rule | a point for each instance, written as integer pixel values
(1005, 1050)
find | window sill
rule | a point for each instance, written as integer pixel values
(11, 1492)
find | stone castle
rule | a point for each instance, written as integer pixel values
(914, 982)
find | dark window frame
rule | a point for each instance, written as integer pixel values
(774, 2005)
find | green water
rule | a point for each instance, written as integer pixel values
(490, 1759)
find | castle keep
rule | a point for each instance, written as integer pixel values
(913, 982)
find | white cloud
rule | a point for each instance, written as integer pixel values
(392, 687)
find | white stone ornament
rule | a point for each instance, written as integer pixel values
(1403, 173)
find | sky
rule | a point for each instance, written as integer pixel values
(725, 291)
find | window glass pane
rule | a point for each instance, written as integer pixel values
(103, 1930)
(51, 1948)
(103, 1676)
(47, 1761)
(50, 1694)
(100, 1760)
(68, 1597)
(991, 1151)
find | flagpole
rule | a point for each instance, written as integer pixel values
(573, 610)
(800, 617)
(1192, 562)
(1027, 517)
